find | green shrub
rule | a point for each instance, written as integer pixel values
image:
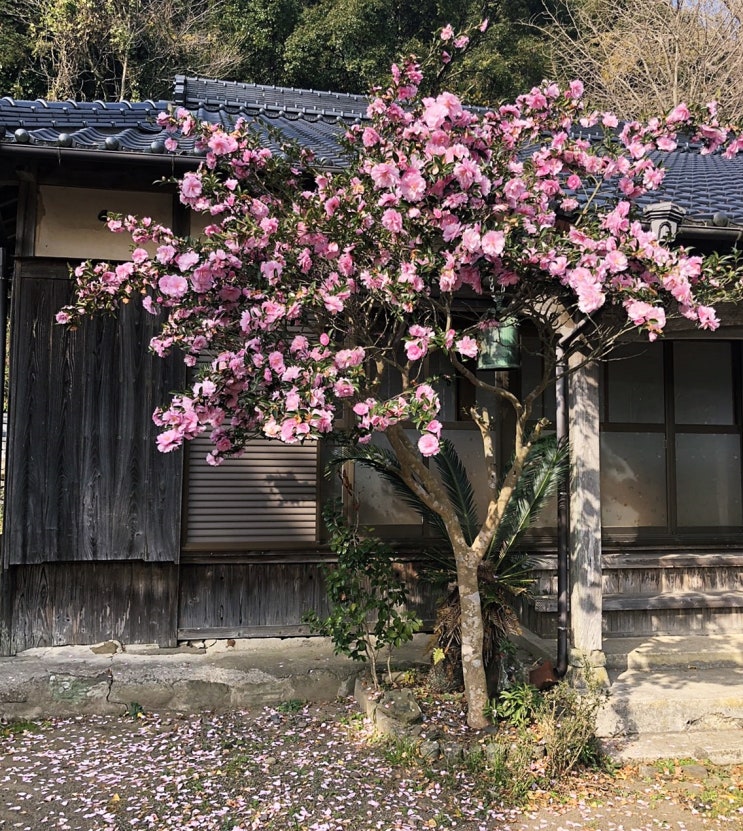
(517, 705)
(367, 599)
(567, 723)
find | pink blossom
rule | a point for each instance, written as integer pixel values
(617, 220)
(331, 206)
(202, 279)
(165, 254)
(493, 243)
(221, 143)
(288, 432)
(173, 285)
(271, 270)
(425, 391)
(645, 314)
(435, 427)
(276, 362)
(412, 186)
(385, 175)
(428, 445)
(471, 240)
(123, 271)
(707, 318)
(575, 89)
(343, 388)
(191, 185)
(187, 260)
(467, 346)
(616, 261)
(169, 440)
(346, 358)
(416, 349)
(678, 114)
(438, 110)
(299, 344)
(609, 120)
(333, 302)
(392, 220)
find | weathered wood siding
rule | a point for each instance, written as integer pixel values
(85, 480)
(82, 603)
(651, 592)
(267, 599)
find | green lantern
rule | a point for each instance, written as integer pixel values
(499, 346)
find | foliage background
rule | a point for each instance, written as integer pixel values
(131, 49)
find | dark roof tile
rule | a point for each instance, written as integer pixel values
(702, 185)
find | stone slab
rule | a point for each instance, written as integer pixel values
(724, 748)
(673, 701)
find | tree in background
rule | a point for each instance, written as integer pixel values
(348, 45)
(326, 301)
(17, 75)
(261, 27)
(132, 48)
(116, 49)
(639, 56)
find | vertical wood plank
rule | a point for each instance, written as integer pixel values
(82, 603)
(269, 595)
(85, 480)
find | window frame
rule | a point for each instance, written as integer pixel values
(674, 532)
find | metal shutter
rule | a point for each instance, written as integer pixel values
(267, 497)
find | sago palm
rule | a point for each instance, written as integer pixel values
(504, 572)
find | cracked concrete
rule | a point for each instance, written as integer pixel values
(668, 696)
(220, 675)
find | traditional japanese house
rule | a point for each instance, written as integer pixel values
(104, 537)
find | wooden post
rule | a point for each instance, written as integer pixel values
(585, 515)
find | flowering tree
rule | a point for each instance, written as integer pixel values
(309, 290)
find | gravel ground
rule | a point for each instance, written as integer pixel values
(312, 768)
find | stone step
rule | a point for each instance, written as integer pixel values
(719, 748)
(694, 652)
(673, 701)
(659, 652)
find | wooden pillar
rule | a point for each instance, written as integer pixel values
(585, 514)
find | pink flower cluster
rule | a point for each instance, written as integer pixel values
(298, 300)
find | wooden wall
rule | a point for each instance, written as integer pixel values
(84, 478)
(83, 603)
(266, 599)
(652, 591)
(93, 511)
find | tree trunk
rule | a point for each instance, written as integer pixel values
(473, 668)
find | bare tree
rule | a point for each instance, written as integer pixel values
(641, 56)
(117, 49)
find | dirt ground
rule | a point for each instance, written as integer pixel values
(312, 768)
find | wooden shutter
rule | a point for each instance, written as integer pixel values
(268, 497)
(84, 478)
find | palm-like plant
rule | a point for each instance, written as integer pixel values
(505, 571)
